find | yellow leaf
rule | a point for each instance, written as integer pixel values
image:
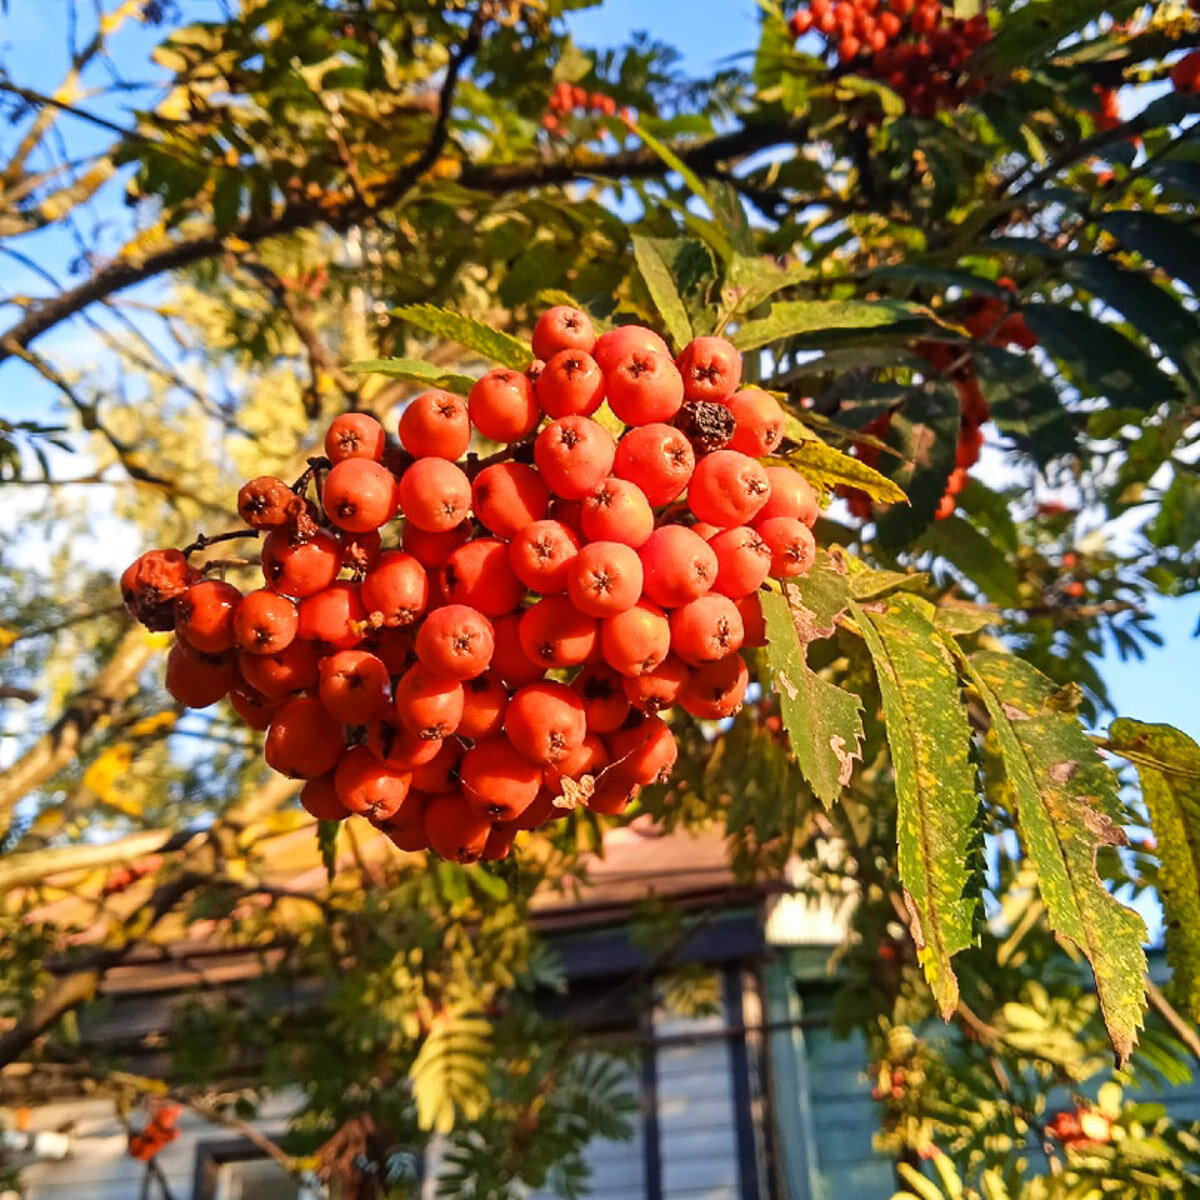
(7, 637)
(153, 724)
(108, 769)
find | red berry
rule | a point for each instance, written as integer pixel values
(616, 343)
(711, 368)
(197, 679)
(554, 633)
(303, 741)
(678, 566)
(510, 663)
(791, 496)
(636, 641)
(292, 669)
(497, 780)
(435, 425)
(507, 496)
(540, 555)
(604, 578)
(264, 622)
(204, 615)
(743, 560)
(502, 406)
(396, 590)
(354, 435)
(644, 387)
(454, 829)
(571, 383)
(297, 565)
(605, 705)
(359, 494)
(369, 787)
(427, 704)
(574, 454)
(643, 753)
(759, 422)
(792, 546)
(335, 617)
(435, 495)
(657, 689)
(728, 488)
(484, 700)
(433, 549)
(562, 328)
(616, 510)
(479, 574)
(320, 799)
(706, 629)
(354, 686)
(455, 641)
(658, 459)
(716, 691)
(545, 721)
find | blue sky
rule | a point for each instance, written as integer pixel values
(33, 49)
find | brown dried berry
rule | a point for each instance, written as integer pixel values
(706, 424)
(265, 502)
(150, 584)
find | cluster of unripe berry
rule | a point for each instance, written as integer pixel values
(567, 98)
(506, 653)
(913, 46)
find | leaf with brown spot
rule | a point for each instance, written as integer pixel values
(823, 722)
(1168, 765)
(1067, 808)
(930, 739)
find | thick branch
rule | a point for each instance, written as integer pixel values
(493, 179)
(62, 741)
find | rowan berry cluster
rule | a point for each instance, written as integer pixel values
(913, 46)
(506, 654)
(159, 1131)
(567, 99)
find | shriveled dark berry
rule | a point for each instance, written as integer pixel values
(706, 424)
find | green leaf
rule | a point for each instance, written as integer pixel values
(493, 344)
(226, 199)
(449, 1074)
(1067, 808)
(1168, 765)
(823, 466)
(925, 432)
(823, 722)
(930, 742)
(981, 561)
(676, 164)
(417, 371)
(1149, 308)
(656, 259)
(1100, 360)
(1170, 244)
(1027, 34)
(794, 318)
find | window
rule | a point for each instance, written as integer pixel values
(238, 1170)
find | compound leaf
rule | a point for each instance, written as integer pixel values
(930, 740)
(491, 343)
(449, 1074)
(1067, 808)
(1168, 765)
(823, 722)
(417, 371)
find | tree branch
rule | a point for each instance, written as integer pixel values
(62, 741)
(493, 179)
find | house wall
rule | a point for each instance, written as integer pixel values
(99, 1165)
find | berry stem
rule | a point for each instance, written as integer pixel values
(204, 540)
